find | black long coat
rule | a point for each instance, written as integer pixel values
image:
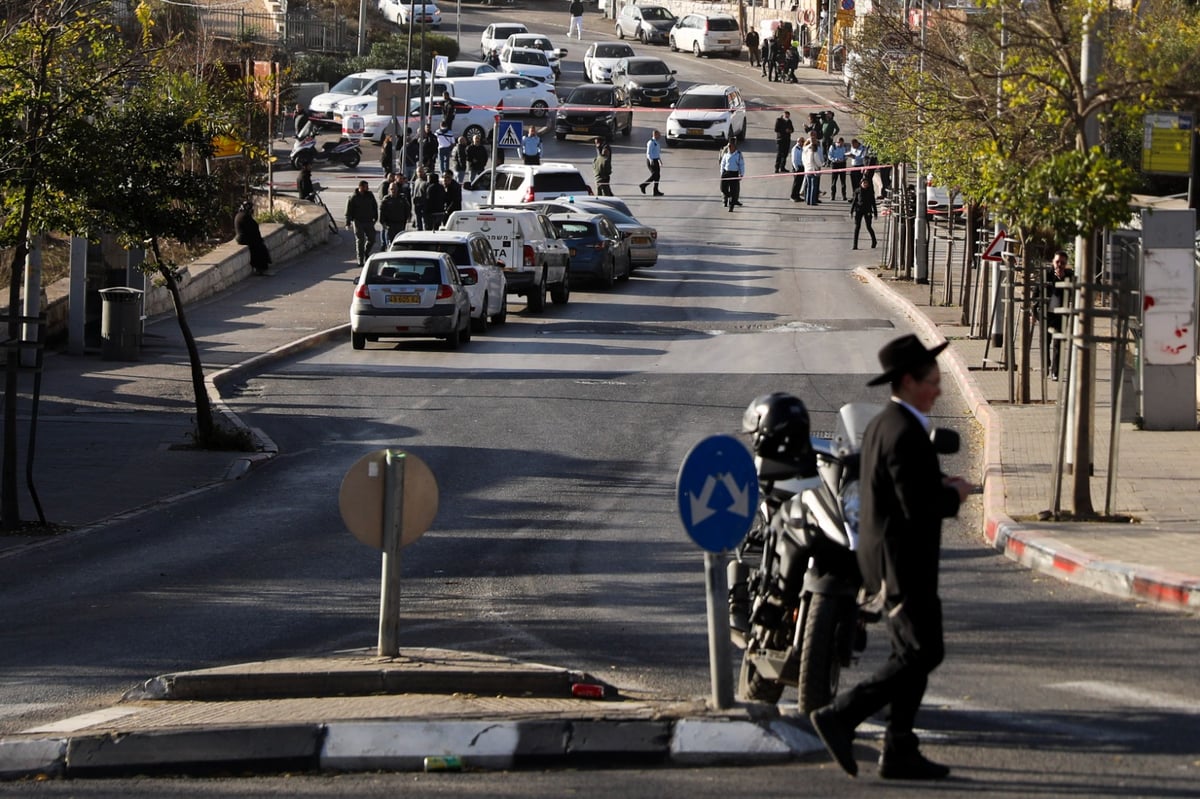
(246, 229)
(903, 504)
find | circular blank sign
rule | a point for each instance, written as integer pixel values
(361, 497)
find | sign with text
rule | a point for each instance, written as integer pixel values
(1167, 143)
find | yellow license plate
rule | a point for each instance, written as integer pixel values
(581, 128)
(655, 99)
(403, 299)
(695, 132)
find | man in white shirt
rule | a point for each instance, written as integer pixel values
(733, 169)
(653, 163)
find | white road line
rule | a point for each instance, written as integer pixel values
(85, 720)
(1129, 696)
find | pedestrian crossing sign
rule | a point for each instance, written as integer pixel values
(511, 134)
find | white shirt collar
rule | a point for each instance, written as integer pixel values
(922, 418)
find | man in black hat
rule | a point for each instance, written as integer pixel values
(905, 496)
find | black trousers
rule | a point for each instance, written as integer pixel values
(655, 167)
(731, 187)
(859, 218)
(900, 683)
(798, 186)
(782, 148)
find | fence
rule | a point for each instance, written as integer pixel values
(291, 31)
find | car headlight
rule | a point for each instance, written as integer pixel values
(851, 502)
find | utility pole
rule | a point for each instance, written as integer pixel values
(920, 230)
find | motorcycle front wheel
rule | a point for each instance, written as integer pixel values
(752, 686)
(820, 663)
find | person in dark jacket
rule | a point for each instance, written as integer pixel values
(435, 203)
(387, 155)
(362, 212)
(452, 190)
(905, 496)
(784, 129)
(420, 195)
(412, 155)
(752, 44)
(602, 168)
(304, 184)
(246, 231)
(477, 157)
(395, 210)
(429, 149)
(863, 209)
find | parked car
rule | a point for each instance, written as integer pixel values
(598, 249)
(467, 69)
(707, 34)
(404, 294)
(539, 42)
(707, 112)
(525, 183)
(469, 119)
(647, 24)
(477, 266)
(535, 261)
(527, 61)
(359, 85)
(495, 35)
(594, 109)
(647, 79)
(601, 57)
(400, 12)
(642, 238)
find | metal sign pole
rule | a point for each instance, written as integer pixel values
(716, 587)
(389, 589)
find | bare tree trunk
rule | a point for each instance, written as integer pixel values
(10, 507)
(204, 418)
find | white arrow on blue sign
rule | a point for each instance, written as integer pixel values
(717, 492)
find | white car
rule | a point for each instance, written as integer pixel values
(525, 183)
(521, 95)
(466, 69)
(709, 112)
(360, 85)
(476, 262)
(601, 57)
(528, 61)
(468, 120)
(706, 34)
(399, 12)
(495, 35)
(536, 40)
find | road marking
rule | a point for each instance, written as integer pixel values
(85, 720)
(1129, 696)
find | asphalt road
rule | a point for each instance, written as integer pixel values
(556, 439)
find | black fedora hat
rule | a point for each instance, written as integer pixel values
(903, 355)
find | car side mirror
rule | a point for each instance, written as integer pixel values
(674, 72)
(561, 52)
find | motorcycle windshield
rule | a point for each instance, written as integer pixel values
(851, 424)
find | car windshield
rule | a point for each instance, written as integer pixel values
(613, 50)
(722, 24)
(648, 68)
(505, 32)
(657, 13)
(590, 95)
(708, 102)
(350, 85)
(537, 58)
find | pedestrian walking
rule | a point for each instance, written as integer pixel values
(836, 155)
(445, 144)
(752, 45)
(412, 153)
(458, 157)
(797, 164)
(477, 158)
(420, 194)
(387, 155)
(602, 169)
(452, 201)
(856, 160)
(247, 232)
(784, 131)
(1053, 299)
(428, 148)
(653, 163)
(770, 53)
(362, 212)
(733, 169)
(863, 209)
(531, 147)
(905, 496)
(435, 203)
(576, 23)
(394, 211)
(829, 129)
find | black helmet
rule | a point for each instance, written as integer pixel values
(779, 434)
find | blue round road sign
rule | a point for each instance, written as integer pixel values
(717, 491)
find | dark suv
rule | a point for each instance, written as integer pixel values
(595, 109)
(648, 80)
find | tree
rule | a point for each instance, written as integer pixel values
(59, 63)
(1007, 101)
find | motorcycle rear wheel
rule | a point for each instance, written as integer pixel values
(820, 663)
(352, 159)
(752, 686)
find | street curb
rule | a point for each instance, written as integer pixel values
(404, 745)
(1033, 548)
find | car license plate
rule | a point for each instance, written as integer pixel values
(403, 299)
(654, 99)
(572, 252)
(722, 41)
(640, 240)
(580, 128)
(695, 132)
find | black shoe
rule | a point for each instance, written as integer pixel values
(731, 209)
(642, 186)
(736, 202)
(855, 247)
(910, 766)
(837, 739)
(660, 194)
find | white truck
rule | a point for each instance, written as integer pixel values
(535, 260)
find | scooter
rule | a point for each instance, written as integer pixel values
(305, 151)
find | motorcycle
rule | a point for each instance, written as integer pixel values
(304, 150)
(795, 603)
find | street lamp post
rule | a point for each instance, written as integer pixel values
(920, 230)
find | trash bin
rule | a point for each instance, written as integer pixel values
(121, 324)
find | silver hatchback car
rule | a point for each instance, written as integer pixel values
(405, 294)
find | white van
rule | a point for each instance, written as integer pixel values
(535, 259)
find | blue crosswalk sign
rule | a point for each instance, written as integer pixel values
(511, 132)
(717, 492)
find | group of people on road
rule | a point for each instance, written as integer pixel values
(426, 200)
